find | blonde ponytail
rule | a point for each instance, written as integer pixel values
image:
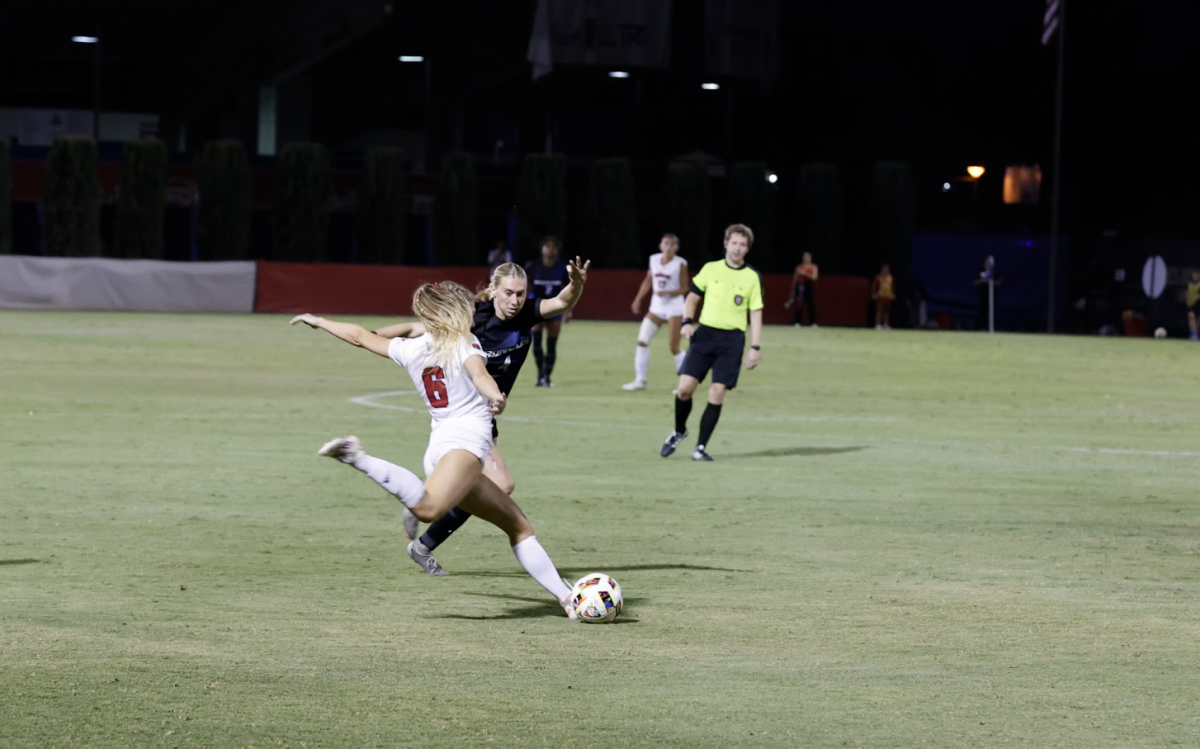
(446, 310)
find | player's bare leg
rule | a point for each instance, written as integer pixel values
(486, 501)
(452, 478)
(674, 339)
(421, 549)
(641, 357)
(496, 469)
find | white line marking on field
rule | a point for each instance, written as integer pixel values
(370, 400)
(1119, 451)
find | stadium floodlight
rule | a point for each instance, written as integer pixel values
(412, 58)
(772, 177)
(618, 74)
(85, 39)
(975, 171)
(945, 187)
(710, 86)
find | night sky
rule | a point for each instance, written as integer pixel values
(939, 84)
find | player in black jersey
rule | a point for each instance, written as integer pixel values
(547, 277)
(503, 322)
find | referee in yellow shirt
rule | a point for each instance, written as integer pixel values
(733, 297)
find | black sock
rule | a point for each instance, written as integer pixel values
(708, 422)
(683, 409)
(538, 356)
(444, 526)
(551, 354)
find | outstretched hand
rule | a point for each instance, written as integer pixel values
(307, 319)
(577, 270)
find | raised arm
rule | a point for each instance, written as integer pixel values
(355, 335)
(643, 290)
(485, 384)
(570, 294)
(402, 330)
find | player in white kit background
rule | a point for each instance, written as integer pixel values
(448, 368)
(667, 284)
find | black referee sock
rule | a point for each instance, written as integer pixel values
(551, 354)
(444, 526)
(683, 409)
(708, 422)
(538, 356)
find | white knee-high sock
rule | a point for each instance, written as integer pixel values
(537, 563)
(641, 363)
(679, 361)
(395, 480)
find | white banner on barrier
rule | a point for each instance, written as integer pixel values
(130, 285)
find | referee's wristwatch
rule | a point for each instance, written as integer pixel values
(757, 348)
(687, 321)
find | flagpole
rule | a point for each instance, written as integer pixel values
(1058, 104)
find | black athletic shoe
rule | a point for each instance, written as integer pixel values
(699, 454)
(672, 442)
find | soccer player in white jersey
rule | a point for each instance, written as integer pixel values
(668, 278)
(448, 368)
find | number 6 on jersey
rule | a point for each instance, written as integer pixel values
(435, 386)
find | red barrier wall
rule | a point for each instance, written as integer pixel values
(387, 290)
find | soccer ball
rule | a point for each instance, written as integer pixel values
(597, 598)
(1160, 333)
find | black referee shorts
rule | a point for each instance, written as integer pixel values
(717, 350)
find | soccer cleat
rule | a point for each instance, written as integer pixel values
(346, 449)
(699, 454)
(568, 605)
(673, 440)
(418, 552)
(411, 525)
(541, 382)
(635, 385)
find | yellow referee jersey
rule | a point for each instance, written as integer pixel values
(729, 294)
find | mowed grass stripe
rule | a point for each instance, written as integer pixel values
(909, 539)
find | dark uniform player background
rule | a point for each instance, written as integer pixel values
(547, 277)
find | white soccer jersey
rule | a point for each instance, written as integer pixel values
(447, 390)
(666, 277)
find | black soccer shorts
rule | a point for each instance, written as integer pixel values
(717, 350)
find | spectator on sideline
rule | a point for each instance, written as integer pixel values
(804, 284)
(883, 292)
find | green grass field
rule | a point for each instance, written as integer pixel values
(908, 539)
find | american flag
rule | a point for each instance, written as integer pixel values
(1050, 21)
